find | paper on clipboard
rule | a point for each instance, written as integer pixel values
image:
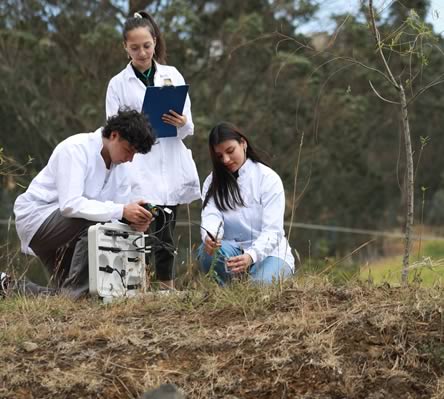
(158, 101)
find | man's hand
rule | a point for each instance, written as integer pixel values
(141, 227)
(138, 217)
(211, 246)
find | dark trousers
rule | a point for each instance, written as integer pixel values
(163, 259)
(61, 243)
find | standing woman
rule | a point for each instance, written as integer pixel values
(243, 213)
(168, 176)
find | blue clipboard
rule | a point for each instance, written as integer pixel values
(158, 101)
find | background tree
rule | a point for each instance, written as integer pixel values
(245, 62)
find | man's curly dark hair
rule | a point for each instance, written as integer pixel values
(133, 127)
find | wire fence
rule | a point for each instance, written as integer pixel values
(309, 226)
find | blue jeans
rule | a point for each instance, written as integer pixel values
(271, 268)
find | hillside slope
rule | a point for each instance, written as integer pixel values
(302, 340)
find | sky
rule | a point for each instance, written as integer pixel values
(436, 16)
(328, 7)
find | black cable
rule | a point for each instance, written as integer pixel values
(160, 244)
(165, 223)
(112, 233)
(111, 270)
(122, 275)
(203, 228)
(154, 245)
(117, 250)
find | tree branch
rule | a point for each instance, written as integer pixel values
(377, 38)
(382, 98)
(425, 88)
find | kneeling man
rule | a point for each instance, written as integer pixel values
(85, 182)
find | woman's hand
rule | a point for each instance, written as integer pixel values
(175, 119)
(211, 246)
(240, 263)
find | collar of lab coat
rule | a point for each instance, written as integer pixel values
(243, 170)
(159, 76)
(97, 138)
(98, 143)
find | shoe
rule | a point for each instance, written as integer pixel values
(5, 280)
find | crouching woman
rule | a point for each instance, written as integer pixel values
(243, 213)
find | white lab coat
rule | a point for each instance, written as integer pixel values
(74, 181)
(167, 174)
(257, 228)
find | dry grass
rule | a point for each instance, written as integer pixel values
(303, 339)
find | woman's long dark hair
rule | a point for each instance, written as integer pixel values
(224, 188)
(147, 21)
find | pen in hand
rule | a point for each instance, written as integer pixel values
(212, 242)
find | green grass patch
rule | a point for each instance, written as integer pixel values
(426, 267)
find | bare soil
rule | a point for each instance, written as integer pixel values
(303, 340)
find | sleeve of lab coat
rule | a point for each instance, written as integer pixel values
(273, 204)
(112, 101)
(211, 216)
(70, 167)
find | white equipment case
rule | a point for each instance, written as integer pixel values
(116, 255)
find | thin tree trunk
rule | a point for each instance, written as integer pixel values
(410, 184)
(408, 148)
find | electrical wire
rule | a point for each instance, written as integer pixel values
(169, 223)
(165, 223)
(159, 244)
(155, 244)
